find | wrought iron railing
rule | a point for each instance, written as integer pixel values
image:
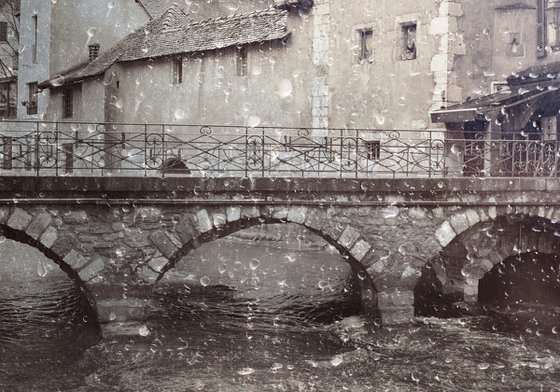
(112, 149)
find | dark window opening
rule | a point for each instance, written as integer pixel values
(68, 150)
(366, 37)
(373, 150)
(8, 95)
(33, 89)
(35, 36)
(241, 61)
(178, 70)
(409, 41)
(67, 103)
(541, 29)
(7, 155)
(3, 31)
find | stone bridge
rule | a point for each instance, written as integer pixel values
(116, 236)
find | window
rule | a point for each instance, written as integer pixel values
(34, 47)
(366, 37)
(541, 29)
(408, 31)
(178, 70)
(241, 61)
(3, 31)
(7, 155)
(68, 150)
(67, 102)
(32, 102)
(514, 45)
(93, 51)
(8, 100)
(373, 150)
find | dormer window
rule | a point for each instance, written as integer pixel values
(93, 51)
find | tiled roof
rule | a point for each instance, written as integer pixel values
(157, 8)
(536, 73)
(173, 33)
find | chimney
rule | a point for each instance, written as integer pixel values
(93, 51)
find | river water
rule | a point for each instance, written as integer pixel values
(249, 315)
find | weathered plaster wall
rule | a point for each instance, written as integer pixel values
(275, 91)
(383, 91)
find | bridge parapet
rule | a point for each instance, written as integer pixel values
(42, 148)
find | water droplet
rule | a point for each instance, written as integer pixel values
(179, 114)
(246, 371)
(222, 268)
(205, 281)
(284, 88)
(323, 284)
(253, 121)
(42, 269)
(337, 360)
(390, 212)
(483, 366)
(276, 366)
(362, 275)
(254, 264)
(414, 377)
(112, 316)
(143, 331)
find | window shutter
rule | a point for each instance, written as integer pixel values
(541, 29)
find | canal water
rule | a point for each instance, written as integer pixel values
(268, 310)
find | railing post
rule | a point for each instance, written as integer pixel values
(246, 152)
(341, 152)
(56, 146)
(163, 151)
(263, 152)
(356, 152)
(37, 139)
(145, 150)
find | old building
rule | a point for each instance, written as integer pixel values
(9, 47)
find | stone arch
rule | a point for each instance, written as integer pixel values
(205, 225)
(36, 229)
(479, 247)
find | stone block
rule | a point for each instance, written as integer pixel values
(233, 214)
(417, 213)
(250, 212)
(63, 245)
(297, 214)
(485, 264)
(492, 212)
(147, 214)
(279, 213)
(38, 225)
(19, 219)
(75, 259)
(163, 243)
(75, 217)
(459, 222)
(49, 237)
(203, 224)
(92, 269)
(157, 263)
(348, 237)
(445, 234)
(360, 249)
(315, 219)
(147, 274)
(472, 217)
(4, 214)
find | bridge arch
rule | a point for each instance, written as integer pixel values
(470, 255)
(13, 230)
(203, 226)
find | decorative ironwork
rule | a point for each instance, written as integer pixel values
(113, 149)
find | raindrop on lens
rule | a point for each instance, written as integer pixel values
(323, 284)
(336, 360)
(42, 269)
(483, 366)
(143, 331)
(254, 264)
(205, 281)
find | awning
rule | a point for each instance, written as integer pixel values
(479, 108)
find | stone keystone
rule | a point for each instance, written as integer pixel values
(19, 220)
(49, 237)
(204, 224)
(297, 214)
(348, 237)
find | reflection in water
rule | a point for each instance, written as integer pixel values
(45, 320)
